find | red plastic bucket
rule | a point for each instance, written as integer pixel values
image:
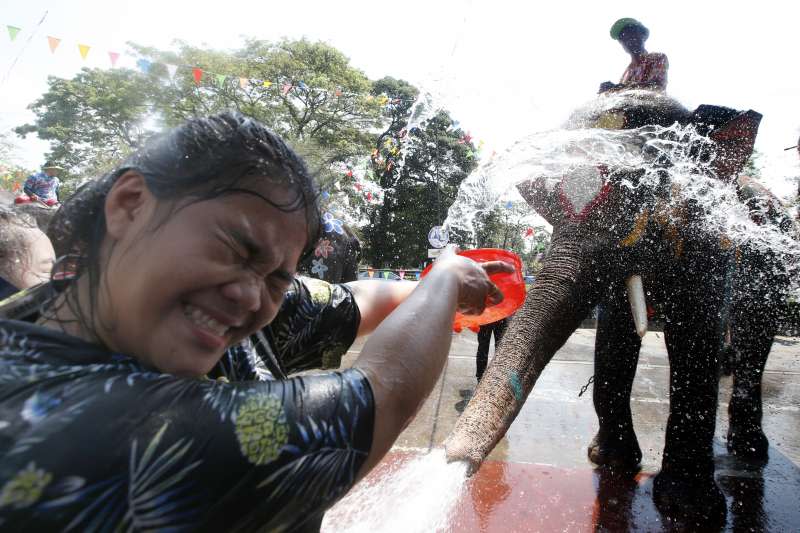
(510, 284)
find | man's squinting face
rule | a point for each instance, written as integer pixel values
(214, 271)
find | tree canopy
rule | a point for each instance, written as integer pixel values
(376, 172)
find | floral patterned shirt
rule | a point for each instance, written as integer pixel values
(94, 441)
(315, 326)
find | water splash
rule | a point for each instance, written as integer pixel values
(676, 158)
(417, 496)
(549, 154)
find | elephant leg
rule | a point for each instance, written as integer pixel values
(753, 330)
(685, 487)
(616, 353)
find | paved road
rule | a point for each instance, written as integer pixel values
(539, 479)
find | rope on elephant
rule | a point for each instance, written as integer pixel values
(586, 387)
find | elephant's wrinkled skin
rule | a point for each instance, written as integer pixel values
(683, 265)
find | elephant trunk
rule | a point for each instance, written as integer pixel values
(555, 306)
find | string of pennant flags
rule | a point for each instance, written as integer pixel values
(200, 74)
(285, 86)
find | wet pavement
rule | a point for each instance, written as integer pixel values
(539, 479)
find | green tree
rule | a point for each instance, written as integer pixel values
(346, 127)
(312, 95)
(328, 112)
(418, 193)
(511, 226)
(93, 120)
(12, 173)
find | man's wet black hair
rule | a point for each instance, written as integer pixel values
(202, 159)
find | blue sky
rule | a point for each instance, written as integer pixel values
(503, 68)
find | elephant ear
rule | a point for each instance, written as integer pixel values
(735, 141)
(734, 134)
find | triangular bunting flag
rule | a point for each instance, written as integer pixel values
(144, 65)
(53, 42)
(286, 88)
(84, 50)
(12, 32)
(267, 84)
(302, 85)
(113, 56)
(221, 79)
(198, 75)
(171, 70)
(243, 82)
(338, 92)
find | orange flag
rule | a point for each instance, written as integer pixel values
(84, 50)
(53, 42)
(198, 75)
(113, 56)
(243, 83)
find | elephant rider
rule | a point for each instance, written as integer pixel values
(43, 186)
(647, 70)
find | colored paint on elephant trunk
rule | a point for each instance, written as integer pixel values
(516, 385)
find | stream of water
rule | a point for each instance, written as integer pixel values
(416, 496)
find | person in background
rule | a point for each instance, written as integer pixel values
(336, 255)
(26, 254)
(43, 186)
(647, 70)
(484, 338)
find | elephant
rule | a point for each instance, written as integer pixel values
(615, 231)
(757, 297)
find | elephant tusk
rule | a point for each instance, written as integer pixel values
(638, 303)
